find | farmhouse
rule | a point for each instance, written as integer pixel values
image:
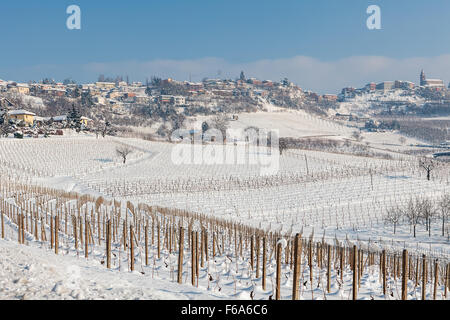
(84, 120)
(26, 116)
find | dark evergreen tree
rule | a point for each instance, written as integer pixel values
(205, 127)
(74, 119)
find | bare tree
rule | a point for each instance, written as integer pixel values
(412, 212)
(123, 151)
(426, 212)
(393, 216)
(4, 129)
(444, 210)
(428, 164)
(282, 145)
(220, 122)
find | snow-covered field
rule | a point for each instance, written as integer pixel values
(331, 196)
(32, 272)
(325, 192)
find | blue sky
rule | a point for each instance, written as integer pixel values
(321, 45)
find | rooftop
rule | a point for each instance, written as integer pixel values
(21, 112)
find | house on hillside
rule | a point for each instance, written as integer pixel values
(61, 119)
(86, 121)
(22, 115)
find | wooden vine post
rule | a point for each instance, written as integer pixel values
(131, 248)
(424, 277)
(329, 269)
(405, 275)
(383, 266)
(52, 235)
(75, 233)
(310, 261)
(158, 240)
(436, 278)
(180, 256)
(206, 246)
(264, 264)
(447, 280)
(278, 279)
(146, 243)
(297, 264)
(193, 259)
(108, 244)
(252, 252)
(257, 256)
(355, 272)
(3, 225)
(196, 258)
(86, 237)
(417, 273)
(56, 234)
(341, 262)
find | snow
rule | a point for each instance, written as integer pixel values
(21, 112)
(321, 194)
(28, 272)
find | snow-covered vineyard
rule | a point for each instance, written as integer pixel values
(333, 201)
(218, 258)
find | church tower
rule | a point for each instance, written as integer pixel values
(423, 78)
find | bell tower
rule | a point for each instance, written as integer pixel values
(423, 78)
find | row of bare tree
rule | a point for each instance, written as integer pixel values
(420, 210)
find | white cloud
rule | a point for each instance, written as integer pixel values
(309, 73)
